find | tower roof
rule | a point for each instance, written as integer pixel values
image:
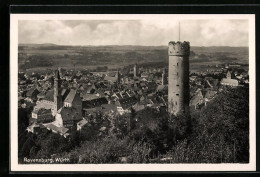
(164, 70)
(57, 74)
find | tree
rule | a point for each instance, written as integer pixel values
(51, 144)
(25, 151)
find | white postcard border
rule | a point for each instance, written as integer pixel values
(14, 18)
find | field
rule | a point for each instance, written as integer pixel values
(40, 56)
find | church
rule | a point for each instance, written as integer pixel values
(64, 107)
(229, 81)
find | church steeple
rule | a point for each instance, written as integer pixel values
(57, 74)
(57, 91)
(164, 77)
(118, 77)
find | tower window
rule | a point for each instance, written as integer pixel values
(176, 103)
(177, 94)
(177, 85)
(177, 64)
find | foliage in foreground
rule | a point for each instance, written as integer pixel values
(219, 133)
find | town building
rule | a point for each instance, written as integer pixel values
(229, 81)
(124, 105)
(59, 108)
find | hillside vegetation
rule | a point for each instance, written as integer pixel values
(219, 133)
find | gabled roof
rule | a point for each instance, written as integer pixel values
(49, 96)
(61, 130)
(210, 94)
(82, 122)
(138, 107)
(127, 102)
(108, 107)
(229, 81)
(196, 99)
(162, 87)
(31, 91)
(70, 113)
(42, 111)
(119, 96)
(41, 94)
(94, 103)
(71, 96)
(112, 79)
(87, 96)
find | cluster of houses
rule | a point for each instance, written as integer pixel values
(70, 99)
(205, 89)
(62, 107)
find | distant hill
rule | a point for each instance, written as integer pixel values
(37, 45)
(52, 55)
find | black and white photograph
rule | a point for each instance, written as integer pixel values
(134, 92)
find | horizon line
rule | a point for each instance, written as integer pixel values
(120, 45)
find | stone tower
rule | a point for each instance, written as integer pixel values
(136, 70)
(57, 91)
(164, 79)
(118, 77)
(178, 77)
(229, 75)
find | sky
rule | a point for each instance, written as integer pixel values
(147, 32)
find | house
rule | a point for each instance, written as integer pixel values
(144, 75)
(32, 94)
(91, 114)
(197, 100)
(162, 88)
(210, 94)
(94, 103)
(229, 82)
(81, 124)
(55, 129)
(112, 78)
(138, 107)
(42, 115)
(35, 128)
(125, 104)
(68, 117)
(107, 108)
(151, 87)
(41, 95)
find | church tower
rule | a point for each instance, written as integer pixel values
(136, 70)
(57, 91)
(118, 77)
(178, 77)
(164, 79)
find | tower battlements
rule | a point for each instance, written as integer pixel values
(179, 48)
